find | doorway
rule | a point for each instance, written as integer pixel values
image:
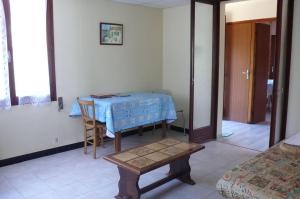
(250, 47)
(211, 128)
(205, 15)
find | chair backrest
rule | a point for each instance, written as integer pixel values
(85, 108)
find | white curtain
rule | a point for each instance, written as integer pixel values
(4, 75)
(29, 35)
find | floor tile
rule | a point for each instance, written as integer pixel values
(11, 194)
(252, 136)
(74, 175)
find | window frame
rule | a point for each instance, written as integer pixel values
(50, 49)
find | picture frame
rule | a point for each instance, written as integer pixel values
(111, 34)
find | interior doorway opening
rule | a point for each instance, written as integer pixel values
(250, 51)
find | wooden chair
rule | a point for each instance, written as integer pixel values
(90, 124)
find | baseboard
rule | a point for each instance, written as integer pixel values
(39, 154)
(179, 129)
(65, 148)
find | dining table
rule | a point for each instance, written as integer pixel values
(124, 111)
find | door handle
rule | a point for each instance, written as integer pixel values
(247, 73)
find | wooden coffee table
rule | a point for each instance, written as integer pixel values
(134, 162)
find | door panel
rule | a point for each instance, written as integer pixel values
(237, 71)
(203, 65)
(204, 70)
(261, 69)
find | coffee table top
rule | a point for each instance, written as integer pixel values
(145, 158)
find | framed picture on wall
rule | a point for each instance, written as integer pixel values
(111, 34)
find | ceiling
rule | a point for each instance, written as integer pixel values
(156, 3)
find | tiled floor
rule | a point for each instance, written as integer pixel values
(252, 136)
(73, 175)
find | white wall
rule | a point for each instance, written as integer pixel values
(84, 67)
(248, 10)
(176, 55)
(293, 122)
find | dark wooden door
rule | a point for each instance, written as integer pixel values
(261, 70)
(204, 70)
(237, 83)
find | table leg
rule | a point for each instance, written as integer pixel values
(98, 137)
(164, 129)
(182, 165)
(140, 130)
(117, 142)
(128, 185)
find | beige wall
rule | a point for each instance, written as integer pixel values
(176, 55)
(248, 10)
(293, 123)
(84, 67)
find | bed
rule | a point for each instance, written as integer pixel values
(274, 174)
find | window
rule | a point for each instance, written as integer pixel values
(27, 74)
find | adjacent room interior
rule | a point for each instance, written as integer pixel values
(250, 47)
(149, 99)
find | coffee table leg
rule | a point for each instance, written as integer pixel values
(182, 166)
(128, 185)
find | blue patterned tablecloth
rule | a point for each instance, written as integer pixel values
(136, 109)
